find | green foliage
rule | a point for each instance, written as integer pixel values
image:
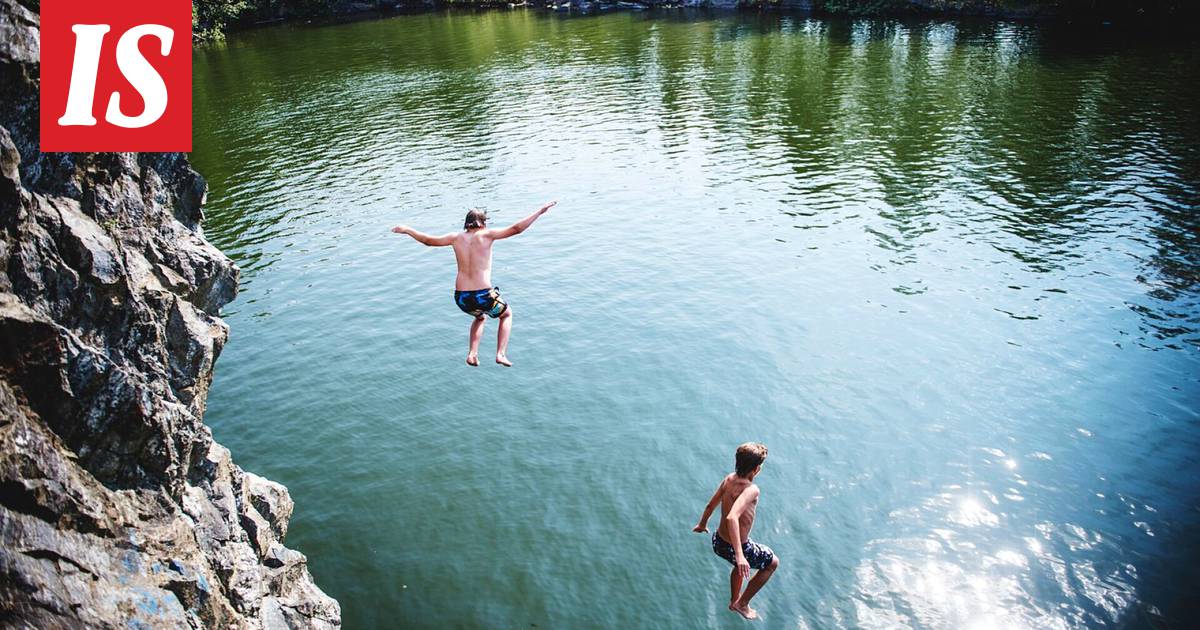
(210, 18)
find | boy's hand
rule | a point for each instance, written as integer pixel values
(743, 567)
(548, 206)
(400, 229)
(700, 529)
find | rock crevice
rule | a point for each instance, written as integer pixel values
(117, 508)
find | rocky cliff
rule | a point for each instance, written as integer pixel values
(116, 506)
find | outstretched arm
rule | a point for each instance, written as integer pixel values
(708, 509)
(421, 237)
(522, 225)
(733, 520)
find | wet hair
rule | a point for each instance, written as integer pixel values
(476, 218)
(749, 456)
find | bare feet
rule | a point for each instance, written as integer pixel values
(744, 610)
(472, 360)
(503, 360)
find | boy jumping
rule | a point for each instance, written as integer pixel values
(738, 496)
(473, 290)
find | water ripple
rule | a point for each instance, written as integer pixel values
(948, 271)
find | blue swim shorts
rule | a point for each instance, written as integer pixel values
(759, 556)
(482, 302)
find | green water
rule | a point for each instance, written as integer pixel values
(948, 272)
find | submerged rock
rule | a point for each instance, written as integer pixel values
(117, 509)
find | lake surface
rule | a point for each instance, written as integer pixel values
(949, 272)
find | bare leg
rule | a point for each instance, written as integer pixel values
(742, 606)
(502, 338)
(735, 587)
(476, 335)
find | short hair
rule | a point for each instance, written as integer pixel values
(749, 456)
(476, 218)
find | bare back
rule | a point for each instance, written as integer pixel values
(731, 488)
(473, 251)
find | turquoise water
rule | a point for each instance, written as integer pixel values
(947, 272)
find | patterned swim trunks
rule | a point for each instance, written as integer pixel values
(482, 302)
(759, 556)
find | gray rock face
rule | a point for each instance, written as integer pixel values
(117, 509)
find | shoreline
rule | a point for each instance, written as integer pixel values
(1150, 16)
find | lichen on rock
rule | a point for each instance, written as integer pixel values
(117, 508)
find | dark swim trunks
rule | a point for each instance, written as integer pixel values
(759, 556)
(481, 302)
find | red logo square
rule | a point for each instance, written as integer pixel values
(116, 75)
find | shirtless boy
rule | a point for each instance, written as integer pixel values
(473, 290)
(738, 496)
